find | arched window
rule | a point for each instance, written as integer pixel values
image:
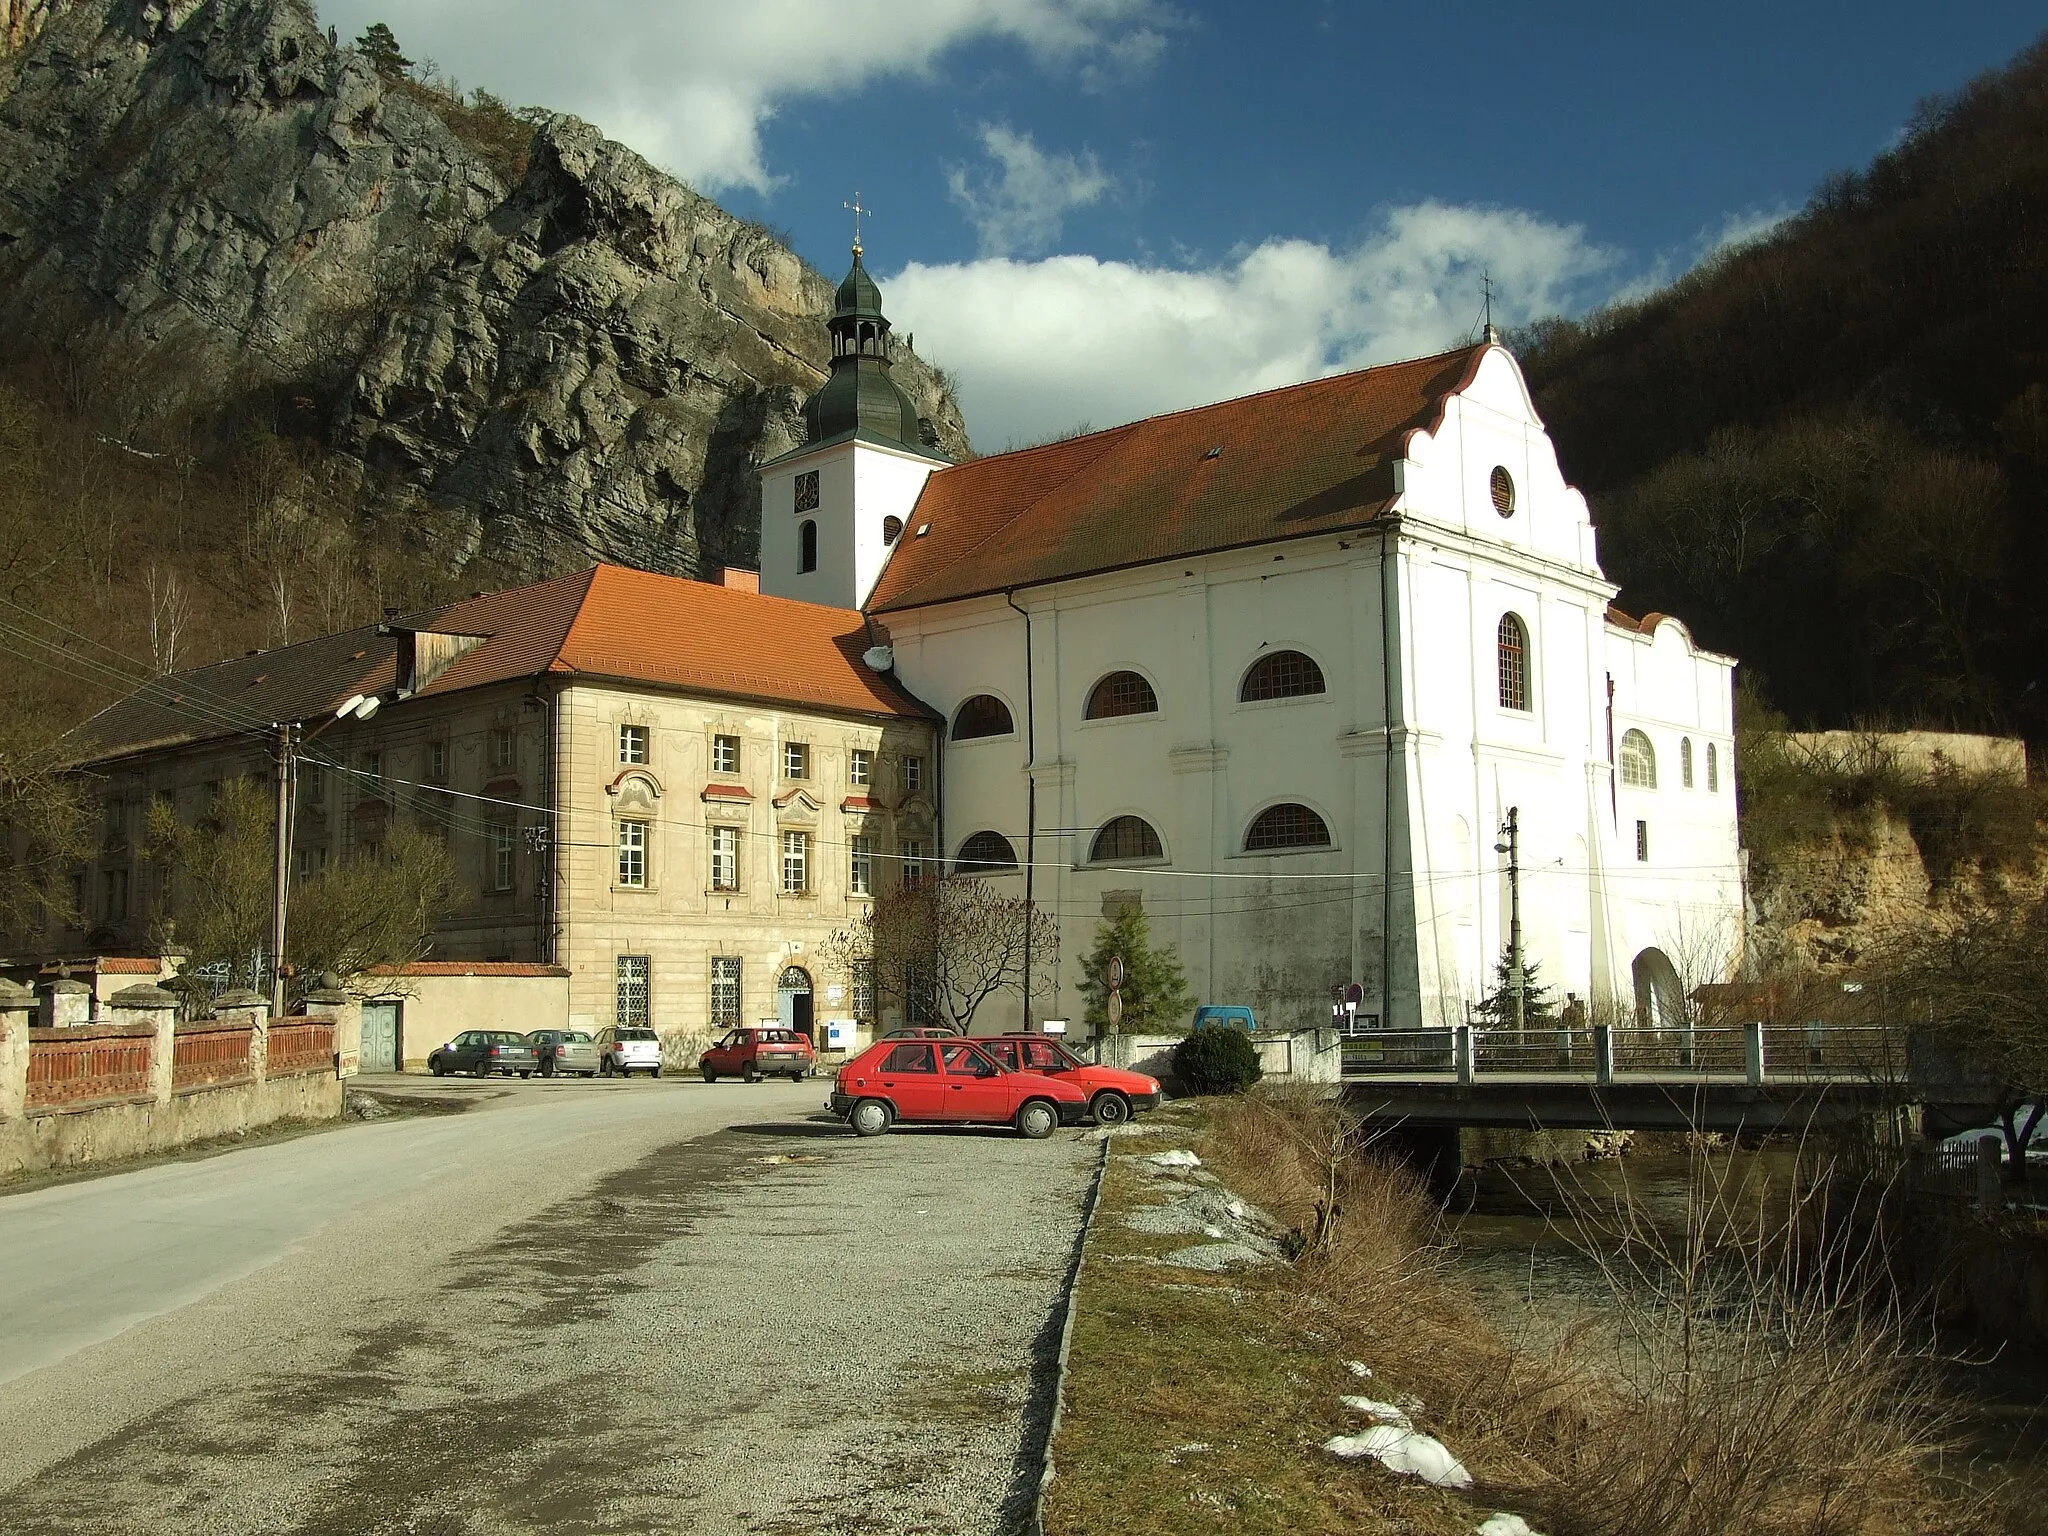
(1638, 760)
(807, 547)
(1685, 761)
(1512, 642)
(1121, 693)
(892, 528)
(983, 853)
(1713, 770)
(982, 715)
(1125, 838)
(1281, 675)
(1286, 826)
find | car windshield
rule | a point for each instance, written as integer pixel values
(506, 1037)
(576, 1037)
(775, 1036)
(636, 1034)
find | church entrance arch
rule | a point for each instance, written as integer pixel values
(793, 999)
(1660, 998)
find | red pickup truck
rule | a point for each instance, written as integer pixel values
(753, 1054)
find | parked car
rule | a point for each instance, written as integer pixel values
(1225, 1016)
(624, 1051)
(1114, 1095)
(483, 1051)
(949, 1080)
(563, 1050)
(757, 1053)
(923, 1032)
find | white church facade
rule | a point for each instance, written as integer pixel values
(1277, 669)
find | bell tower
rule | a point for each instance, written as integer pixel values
(834, 507)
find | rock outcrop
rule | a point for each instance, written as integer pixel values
(226, 204)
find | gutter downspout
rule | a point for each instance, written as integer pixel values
(1030, 797)
(1387, 539)
(548, 907)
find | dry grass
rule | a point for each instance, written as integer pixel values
(1715, 1396)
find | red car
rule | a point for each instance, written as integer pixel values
(1114, 1095)
(757, 1053)
(949, 1080)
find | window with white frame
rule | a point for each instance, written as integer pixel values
(1642, 842)
(1713, 770)
(437, 762)
(633, 989)
(796, 863)
(913, 775)
(725, 754)
(725, 858)
(312, 783)
(501, 845)
(501, 747)
(910, 853)
(633, 744)
(860, 767)
(796, 760)
(633, 855)
(1638, 760)
(860, 867)
(725, 991)
(1511, 648)
(1685, 761)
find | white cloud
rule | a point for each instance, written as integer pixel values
(1022, 205)
(1737, 229)
(689, 83)
(1039, 346)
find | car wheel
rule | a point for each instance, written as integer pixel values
(710, 1076)
(482, 1070)
(1111, 1108)
(524, 1076)
(605, 1066)
(547, 1068)
(1037, 1120)
(751, 1076)
(435, 1066)
(656, 1072)
(796, 1077)
(870, 1117)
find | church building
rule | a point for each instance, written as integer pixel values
(1279, 670)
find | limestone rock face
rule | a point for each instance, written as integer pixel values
(218, 199)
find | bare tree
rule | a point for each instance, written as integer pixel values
(951, 944)
(170, 615)
(45, 827)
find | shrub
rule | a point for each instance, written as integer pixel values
(1216, 1061)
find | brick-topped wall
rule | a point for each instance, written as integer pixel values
(300, 1045)
(99, 1064)
(210, 1052)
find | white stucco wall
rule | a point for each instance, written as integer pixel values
(859, 485)
(1279, 930)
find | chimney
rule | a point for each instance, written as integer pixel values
(737, 580)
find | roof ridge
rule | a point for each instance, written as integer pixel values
(1212, 405)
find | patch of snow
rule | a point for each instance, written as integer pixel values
(1383, 1413)
(1212, 1231)
(1129, 1128)
(1178, 1158)
(1501, 1523)
(1403, 1451)
(1218, 1256)
(1359, 1369)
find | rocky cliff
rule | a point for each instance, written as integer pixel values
(223, 202)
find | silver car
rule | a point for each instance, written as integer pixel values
(624, 1051)
(564, 1050)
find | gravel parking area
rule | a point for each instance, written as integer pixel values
(775, 1327)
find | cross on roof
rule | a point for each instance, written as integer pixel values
(857, 212)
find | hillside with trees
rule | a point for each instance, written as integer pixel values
(1828, 450)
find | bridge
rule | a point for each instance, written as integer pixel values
(1756, 1077)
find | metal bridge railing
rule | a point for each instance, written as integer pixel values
(1752, 1053)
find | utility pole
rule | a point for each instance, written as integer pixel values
(1517, 977)
(280, 890)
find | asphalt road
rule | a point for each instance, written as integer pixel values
(642, 1306)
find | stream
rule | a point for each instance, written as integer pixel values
(1526, 1241)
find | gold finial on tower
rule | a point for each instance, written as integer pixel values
(857, 211)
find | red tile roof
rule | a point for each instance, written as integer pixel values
(1310, 458)
(607, 622)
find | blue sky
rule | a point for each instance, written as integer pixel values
(1093, 209)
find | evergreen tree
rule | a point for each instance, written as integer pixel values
(379, 44)
(1539, 1003)
(1156, 998)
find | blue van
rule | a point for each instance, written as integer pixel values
(1225, 1016)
